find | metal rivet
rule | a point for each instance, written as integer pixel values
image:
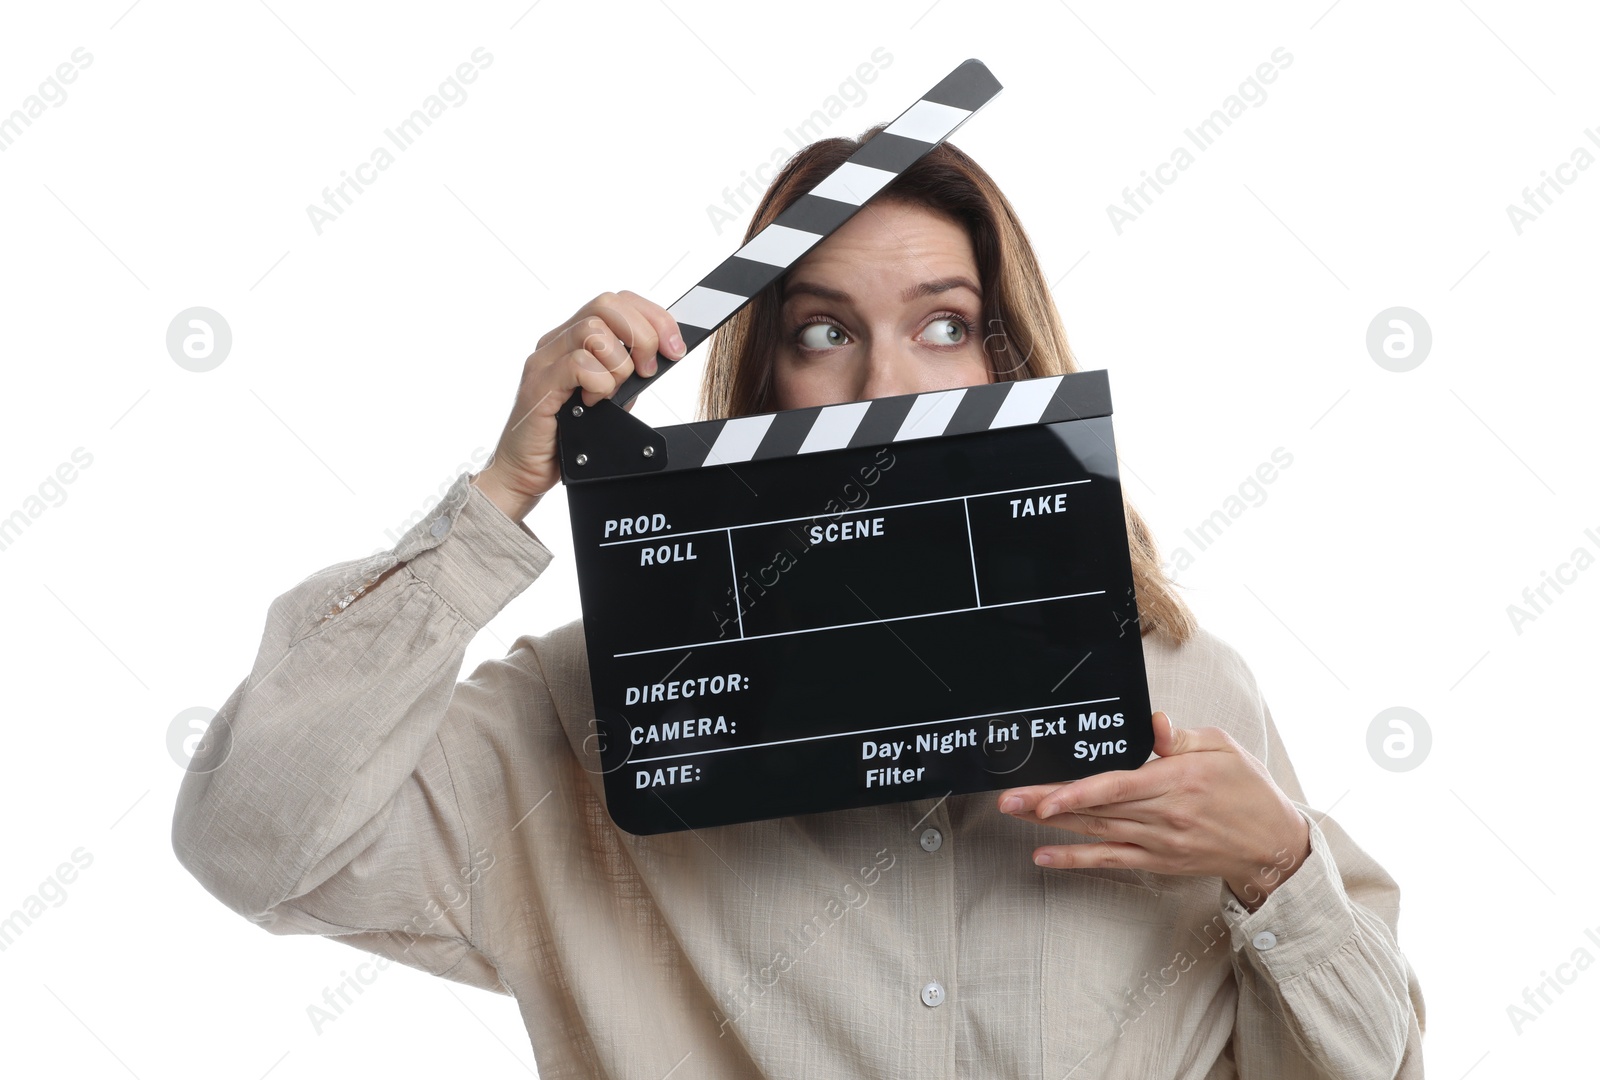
(583, 459)
(649, 451)
(577, 410)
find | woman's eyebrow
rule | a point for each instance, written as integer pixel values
(923, 288)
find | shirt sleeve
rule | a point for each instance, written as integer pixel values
(322, 801)
(1324, 990)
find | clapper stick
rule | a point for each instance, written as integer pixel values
(816, 214)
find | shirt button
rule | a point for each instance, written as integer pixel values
(440, 526)
(933, 995)
(932, 840)
(1264, 940)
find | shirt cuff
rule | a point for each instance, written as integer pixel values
(471, 553)
(1302, 923)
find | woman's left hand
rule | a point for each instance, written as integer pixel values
(1205, 806)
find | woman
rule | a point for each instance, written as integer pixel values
(1189, 918)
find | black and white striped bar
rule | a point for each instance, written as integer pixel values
(1044, 400)
(816, 214)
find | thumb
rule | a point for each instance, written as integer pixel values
(1170, 740)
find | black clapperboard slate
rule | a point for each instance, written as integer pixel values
(853, 604)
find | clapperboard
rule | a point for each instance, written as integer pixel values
(853, 604)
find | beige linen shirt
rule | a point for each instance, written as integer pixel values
(460, 828)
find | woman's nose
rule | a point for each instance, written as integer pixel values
(888, 369)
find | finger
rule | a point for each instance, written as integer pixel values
(564, 331)
(587, 371)
(1026, 797)
(668, 335)
(636, 332)
(1133, 821)
(1105, 827)
(1029, 799)
(594, 333)
(614, 355)
(1171, 739)
(1107, 854)
(1104, 789)
(1141, 810)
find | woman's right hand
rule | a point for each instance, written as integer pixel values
(606, 341)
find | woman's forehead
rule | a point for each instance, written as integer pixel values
(894, 244)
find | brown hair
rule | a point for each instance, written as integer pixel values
(1025, 337)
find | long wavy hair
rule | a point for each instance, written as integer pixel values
(1024, 337)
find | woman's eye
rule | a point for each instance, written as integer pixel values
(821, 335)
(947, 331)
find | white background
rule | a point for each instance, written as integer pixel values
(370, 361)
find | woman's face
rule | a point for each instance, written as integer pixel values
(887, 305)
